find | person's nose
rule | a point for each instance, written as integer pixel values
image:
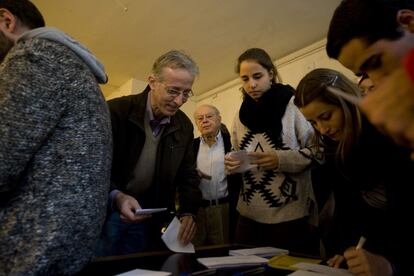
(180, 99)
(323, 128)
(253, 84)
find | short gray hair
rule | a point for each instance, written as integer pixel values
(174, 59)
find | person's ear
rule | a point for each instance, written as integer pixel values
(7, 21)
(405, 19)
(151, 81)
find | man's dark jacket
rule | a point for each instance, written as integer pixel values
(175, 164)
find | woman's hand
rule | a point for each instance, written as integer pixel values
(265, 160)
(231, 164)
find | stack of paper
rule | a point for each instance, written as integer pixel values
(259, 251)
(287, 262)
(317, 269)
(232, 261)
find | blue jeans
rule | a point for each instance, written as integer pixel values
(120, 238)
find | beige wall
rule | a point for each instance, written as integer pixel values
(227, 98)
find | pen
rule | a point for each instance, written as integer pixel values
(361, 242)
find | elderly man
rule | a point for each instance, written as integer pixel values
(219, 192)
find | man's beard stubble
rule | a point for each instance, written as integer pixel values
(5, 46)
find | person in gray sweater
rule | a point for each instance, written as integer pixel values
(55, 147)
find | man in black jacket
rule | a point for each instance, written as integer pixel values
(153, 160)
(217, 216)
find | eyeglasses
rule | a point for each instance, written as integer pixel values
(201, 118)
(173, 93)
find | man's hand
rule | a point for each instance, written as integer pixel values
(127, 205)
(187, 229)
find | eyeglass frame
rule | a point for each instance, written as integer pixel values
(174, 93)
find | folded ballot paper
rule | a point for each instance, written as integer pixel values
(232, 261)
(264, 252)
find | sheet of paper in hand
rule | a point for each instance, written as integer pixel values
(244, 159)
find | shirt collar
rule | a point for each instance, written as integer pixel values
(165, 120)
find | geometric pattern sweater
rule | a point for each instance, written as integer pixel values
(284, 193)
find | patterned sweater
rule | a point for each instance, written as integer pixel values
(55, 155)
(285, 193)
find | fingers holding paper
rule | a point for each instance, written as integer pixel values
(187, 229)
(127, 205)
(265, 160)
(231, 164)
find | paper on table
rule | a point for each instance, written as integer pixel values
(170, 238)
(324, 269)
(149, 211)
(232, 261)
(244, 159)
(144, 272)
(286, 262)
(266, 251)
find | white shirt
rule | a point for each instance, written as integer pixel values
(210, 160)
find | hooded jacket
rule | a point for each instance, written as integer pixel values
(55, 155)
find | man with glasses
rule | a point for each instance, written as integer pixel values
(217, 189)
(153, 159)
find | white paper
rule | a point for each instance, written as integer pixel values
(232, 261)
(259, 251)
(324, 269)
(244, 160)
(170, 238)
(149, 211)
(144, 272)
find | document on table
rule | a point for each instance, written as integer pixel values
(264, 252)
(323, 269)
(144, 272)
(170, 238)
(286, 262)
(244, 159)
(232, 261)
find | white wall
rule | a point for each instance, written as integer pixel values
(227, 98)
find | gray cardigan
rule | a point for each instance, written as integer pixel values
(55, 157)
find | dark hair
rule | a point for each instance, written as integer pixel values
(369, 20)
(313, 87)
(261, 57)
(25, 11)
